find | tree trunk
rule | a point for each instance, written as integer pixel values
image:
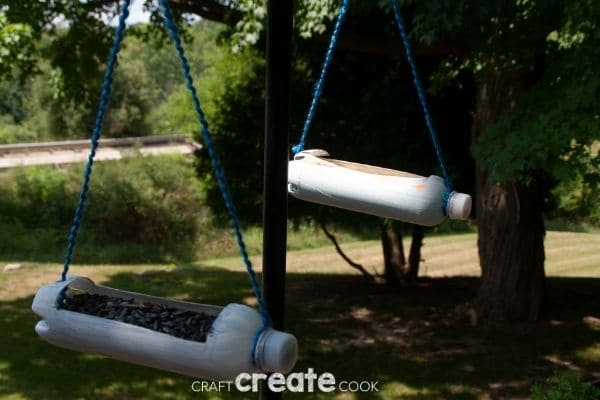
(396, 270)
(393, 254)
(414, 257)
(509, 220)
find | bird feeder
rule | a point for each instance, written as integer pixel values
(235, 343)
(387, 193)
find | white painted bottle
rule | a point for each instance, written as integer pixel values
(235, 339)
(373, 190)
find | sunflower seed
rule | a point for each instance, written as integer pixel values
(180, 323)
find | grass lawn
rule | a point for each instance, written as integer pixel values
(416, 341)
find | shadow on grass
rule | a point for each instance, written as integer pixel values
(94, 253)
(414, 341)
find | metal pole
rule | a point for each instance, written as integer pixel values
(277, 115)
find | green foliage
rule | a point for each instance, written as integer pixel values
(38, 114)
(147, 74)
(311, 18)
(151, 200)
(483, 29)
(231, 90)
(36, 195)
(11, 100)
(236, 113)
(149, 87)
(155, 201)
(16, 42)
(74, 53)
(354, 120)
(578, 199)
(566, 387)
(176, 113)
(554, 127)
(134, 96)
(11, 132)
(72, 40)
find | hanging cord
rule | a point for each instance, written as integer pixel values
(104, 97)
(87, 173)
(423, 100)
(214, 157)
(318, 88)
(320, 82)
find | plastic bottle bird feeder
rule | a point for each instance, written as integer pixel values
(373, 190)
(235, 343)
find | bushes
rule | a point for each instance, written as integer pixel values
(156, 202)
(566, 387)
(578, 200)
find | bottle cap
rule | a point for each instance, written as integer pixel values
(459, 206)
(276, 351)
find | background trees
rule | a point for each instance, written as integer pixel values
(516, 81)
(522, 59)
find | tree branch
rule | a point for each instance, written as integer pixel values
(209, 9)
(353, 264)
(214, 11)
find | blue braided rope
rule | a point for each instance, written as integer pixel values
(321, 81)
(214, 157)
(87, 173)
(423, 100)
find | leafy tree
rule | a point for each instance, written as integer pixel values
(39, 106)
(525, 69)
(16, 42)
(349, 118)
(534, 120)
